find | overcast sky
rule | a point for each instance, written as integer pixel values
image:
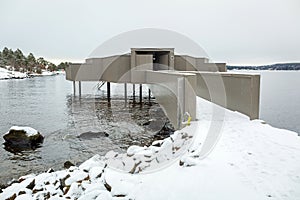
(232, 31)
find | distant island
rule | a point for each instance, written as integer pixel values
(279, 66)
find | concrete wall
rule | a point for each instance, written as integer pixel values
(189, 63)
(110, 69)
(113, 68)
(180, 63)
(72, 70)
(211, 67)
(144, 61)
(164, 60)
(242, 91)
(174, 92)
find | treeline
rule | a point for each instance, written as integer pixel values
(281, 66)
(17, 61)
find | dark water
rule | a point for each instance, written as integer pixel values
(280, 99)
(48, 105)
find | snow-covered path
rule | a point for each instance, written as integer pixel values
(251, 160)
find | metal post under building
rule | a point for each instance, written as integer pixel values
(141, 93)
(133, 92)
(125, 93)
(74, 88)
(79, 87)
(108, 91)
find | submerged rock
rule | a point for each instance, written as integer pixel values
(91, 135)
(68, 164)
(166, 130)
(22, 138)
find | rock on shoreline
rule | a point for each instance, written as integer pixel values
(22, 138)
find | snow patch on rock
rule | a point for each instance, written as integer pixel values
(29, 131)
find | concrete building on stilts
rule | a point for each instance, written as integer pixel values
(174, 80)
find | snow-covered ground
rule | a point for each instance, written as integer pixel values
(251, 160)
(6, 74)
(44, 73)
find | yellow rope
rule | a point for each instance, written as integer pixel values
(189, 120)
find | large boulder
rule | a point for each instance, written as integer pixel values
(22, 138)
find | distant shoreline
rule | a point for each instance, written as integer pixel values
(273, 67)
(263, 69)
(9, 75)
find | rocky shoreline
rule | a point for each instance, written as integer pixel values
(81, 181)
(252, 160)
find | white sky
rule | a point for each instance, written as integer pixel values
(232, 31)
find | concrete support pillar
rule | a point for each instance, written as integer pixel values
(74, 88)
(79, 87)
(125, 93)
(186, 98)
(180, 100)
(141, 93)
(108, 91)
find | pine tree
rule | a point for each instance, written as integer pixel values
(19, 59)
(5, 56)
(31, 62)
